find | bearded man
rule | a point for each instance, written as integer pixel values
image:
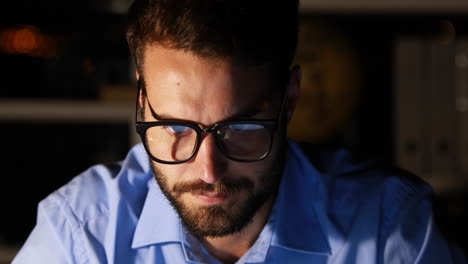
(215, 179)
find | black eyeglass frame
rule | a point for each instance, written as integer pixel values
(142, 127)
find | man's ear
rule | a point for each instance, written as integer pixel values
(293, 89)
(141, 99)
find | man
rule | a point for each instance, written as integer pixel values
(215, 180)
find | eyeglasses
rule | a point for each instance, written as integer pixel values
(175, 141)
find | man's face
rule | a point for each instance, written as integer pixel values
(214, 196)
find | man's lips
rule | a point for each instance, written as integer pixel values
(211, 197)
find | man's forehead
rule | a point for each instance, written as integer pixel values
(160, 61)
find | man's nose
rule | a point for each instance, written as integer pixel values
(210, 160)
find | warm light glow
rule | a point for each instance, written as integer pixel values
(25, 40)
(28, 40)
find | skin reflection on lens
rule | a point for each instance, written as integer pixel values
(169, 146)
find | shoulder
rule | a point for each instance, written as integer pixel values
(92, 193)
(74, 222)
(379, 213)
(354, 183)
(346, 170)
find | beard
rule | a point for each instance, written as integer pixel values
(226, 218)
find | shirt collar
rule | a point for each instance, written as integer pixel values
(159, 222)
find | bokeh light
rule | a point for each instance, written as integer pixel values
(28, 40)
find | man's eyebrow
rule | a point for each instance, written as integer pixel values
(245, 113)
(158, 116)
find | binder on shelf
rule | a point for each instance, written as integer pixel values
(443, 115)
(409, 104)
(431, 103)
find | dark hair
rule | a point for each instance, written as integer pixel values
(252, 32)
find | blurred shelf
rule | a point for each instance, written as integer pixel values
(385, 6)
(65, 111)
(62, 111)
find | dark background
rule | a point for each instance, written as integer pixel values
(90, 52)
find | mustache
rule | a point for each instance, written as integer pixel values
(224, 186)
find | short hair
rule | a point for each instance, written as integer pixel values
(253, 32)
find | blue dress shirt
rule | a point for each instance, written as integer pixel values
(341, 213)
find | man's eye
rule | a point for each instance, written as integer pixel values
(246, 127)
(177, 129)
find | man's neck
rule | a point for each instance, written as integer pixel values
(230, 248)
